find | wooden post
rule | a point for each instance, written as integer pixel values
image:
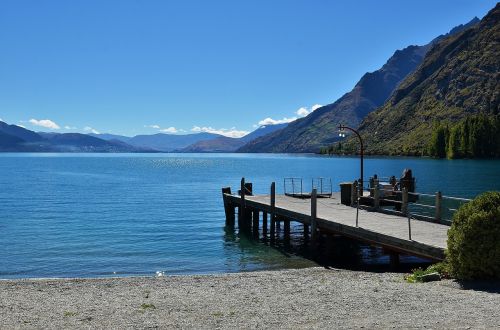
(394, 259)
(273, 211)
(264, 224)
(439, 199)
(314, 213)
(241, 210)
(249, 188)
(228, 209)
(286, 224)
(354, 193)
(376, 194)
(255, 225)
(248, 212)
(404, 201)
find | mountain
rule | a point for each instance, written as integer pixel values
(17, 139)
(319, 128)
(458, 78)
(9, 142)
(110, 137)
(169, 142)
(75, 142)
(20, 132)
(227, 144)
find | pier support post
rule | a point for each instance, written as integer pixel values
(228, 208)
(404, 201)
(286, 224)
(394, 259)
(314, 213)
(376, 194)
(255, 224)
(439, 199)
(273, 211)
(264, 224)
(306, 231)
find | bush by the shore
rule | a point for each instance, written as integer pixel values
(474, 239)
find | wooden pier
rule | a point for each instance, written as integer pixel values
(319, 216)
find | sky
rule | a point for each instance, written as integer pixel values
(142, 67)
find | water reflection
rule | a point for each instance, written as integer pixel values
(333, 251)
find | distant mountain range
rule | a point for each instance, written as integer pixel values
(227, 144)
(14, 138)
(319, 128)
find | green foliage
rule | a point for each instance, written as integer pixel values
(473, 137)
(474, 239)
(438, 143)
(416, 276)
(334, 149)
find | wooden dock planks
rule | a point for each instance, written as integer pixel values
(389, 231)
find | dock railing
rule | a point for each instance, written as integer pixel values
(421, 206)
(293, 186)
(323, 186)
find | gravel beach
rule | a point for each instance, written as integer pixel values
(305, 298)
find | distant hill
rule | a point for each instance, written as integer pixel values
(169, 142)
(110, 137)
(20, 132)
(9, 142)
(319, 128)
(458, 78)
(17, 139)
(227, 144)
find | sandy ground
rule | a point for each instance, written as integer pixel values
(306, 298)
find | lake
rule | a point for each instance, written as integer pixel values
(91, 215)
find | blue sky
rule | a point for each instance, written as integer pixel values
(139, 67)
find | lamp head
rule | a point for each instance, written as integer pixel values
(341, 131)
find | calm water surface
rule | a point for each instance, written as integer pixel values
(72, 215)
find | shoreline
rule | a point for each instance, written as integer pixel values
(299, 298)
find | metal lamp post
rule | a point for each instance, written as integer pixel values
(342, 129)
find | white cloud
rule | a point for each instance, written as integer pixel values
(90, 129)
(47, 123)
(303, 111)
(19, 125)
(69, 127)
(171, 130)
(270, 121)
(153, 126)
(232, 132)
(315, 107)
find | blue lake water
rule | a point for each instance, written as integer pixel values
(85, 215)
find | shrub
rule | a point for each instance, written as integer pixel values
(474, 239)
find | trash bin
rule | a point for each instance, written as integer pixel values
(345, 193)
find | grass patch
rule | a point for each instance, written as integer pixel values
(147, 306)
(420, 275)
(69, 314)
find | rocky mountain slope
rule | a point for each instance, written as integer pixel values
(319, 128)
(458, 78)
